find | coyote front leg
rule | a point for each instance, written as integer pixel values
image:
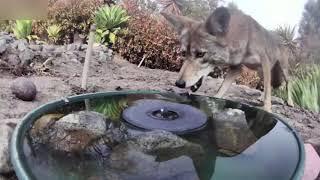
(233, 73)
(267, 84)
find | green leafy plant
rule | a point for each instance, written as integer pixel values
(109, 21)
(111, 108)
(304, 88)
(22, 29)
(54, 32)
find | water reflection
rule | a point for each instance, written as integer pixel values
(239, 142)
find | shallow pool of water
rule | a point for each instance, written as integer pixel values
(262, 147)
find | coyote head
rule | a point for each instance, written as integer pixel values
(202, 44)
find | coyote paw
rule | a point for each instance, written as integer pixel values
(218, 96)
(290, 103)
(267, 108)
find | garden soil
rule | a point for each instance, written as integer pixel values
(63, 79)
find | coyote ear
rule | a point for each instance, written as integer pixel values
(178, 22)
(217, 23)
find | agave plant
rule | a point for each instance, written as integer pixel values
(287, 32)
(22, 29)
(54, 32)
(109, 21)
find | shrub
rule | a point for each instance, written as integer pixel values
(6, 25)
(249, 78)
(109, 21)
(304, 88)
(150, 40)
(54, 32)
(75, 17)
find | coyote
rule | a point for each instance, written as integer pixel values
(230, 37)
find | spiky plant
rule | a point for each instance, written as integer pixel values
(287, 33)
(54, 32)
(109, 20)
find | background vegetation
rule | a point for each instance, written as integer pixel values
(135, 30)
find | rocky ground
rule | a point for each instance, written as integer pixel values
(56, 72)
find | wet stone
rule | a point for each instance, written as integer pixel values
(129, 163)
(233, 134)
(157, 140)
(71, 133)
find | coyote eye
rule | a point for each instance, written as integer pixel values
(184, 53)
(200, 54)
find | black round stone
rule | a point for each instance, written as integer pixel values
(164, 115)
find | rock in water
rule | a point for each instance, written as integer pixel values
(130, 163)
(158, 139)
(5, 136)
(232, 132)
(24, 89)
(72, 133)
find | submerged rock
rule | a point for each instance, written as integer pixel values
(159, 139)
(41, 127)
(154, 155)
(232, 132)
(72, 133)
(129, 163)
(24, 89)
(5, 136)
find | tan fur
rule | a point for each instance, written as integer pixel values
(230, 37)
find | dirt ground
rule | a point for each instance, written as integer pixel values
(63, 79)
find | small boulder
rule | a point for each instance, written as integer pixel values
(73, 132)
(232, 122)
(3, 45)
(5, 136)
(159, 139)
(129, 163)
(26, 56)
(21, 44)
(35, 47)
(13, 60)
(48, 48)
(24, 89)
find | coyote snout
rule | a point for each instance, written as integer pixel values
(229, 37)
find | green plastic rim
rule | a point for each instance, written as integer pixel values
(18, 159)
